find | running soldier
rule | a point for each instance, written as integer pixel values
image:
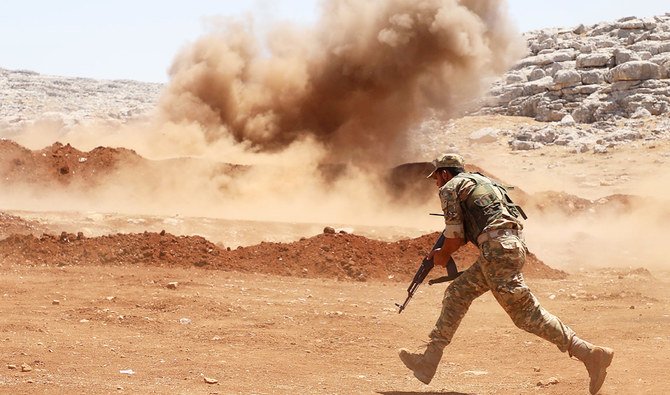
(478, 210)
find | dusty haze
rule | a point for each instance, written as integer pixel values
(346, 91)
(355, 83)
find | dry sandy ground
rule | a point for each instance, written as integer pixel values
(269, 334)
(281, 335)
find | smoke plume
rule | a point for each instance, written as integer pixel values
(355, 83)
(346, 91)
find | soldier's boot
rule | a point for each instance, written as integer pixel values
(423, 364)
(596, 359)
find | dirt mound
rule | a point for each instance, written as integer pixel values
(551, 201)
(341, 256)
(10, 224)
(63, 165)
(59, 164)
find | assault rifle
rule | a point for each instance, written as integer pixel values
(425, 268)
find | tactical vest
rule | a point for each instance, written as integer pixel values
(484, 206)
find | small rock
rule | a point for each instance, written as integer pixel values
(599, 149)
(475, 372)
(11, 367)
(129, 372)
(210, 380)
(26, 368)
(519, 145)
(567, 120)
(185, 321)
(55, 302)
(548, 382)
(83, 320)
(335, 313)
(641, 113)
(329, 230)
(632, 307)
(485, 135)
(172, 285)
(536, 369)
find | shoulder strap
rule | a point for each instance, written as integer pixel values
(503, 190)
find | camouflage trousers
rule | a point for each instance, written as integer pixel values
(498, 270)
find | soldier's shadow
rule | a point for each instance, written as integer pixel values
(422, 393)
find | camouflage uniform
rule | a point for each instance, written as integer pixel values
(498, 269)
(480, 211)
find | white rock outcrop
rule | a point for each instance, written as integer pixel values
(26, 96)
(593, 73)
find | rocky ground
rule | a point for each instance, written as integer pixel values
(103, 294)
(593, 73)
(27, 97)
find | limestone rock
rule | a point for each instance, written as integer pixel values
(536, 74)
(636, 71)
(567, 120)
(28, 96)
(485, 135)
(623, 69)
(567, 78)
(598, 59)
(624, 55)
(641, 113)
(518, 145)
(592, 77)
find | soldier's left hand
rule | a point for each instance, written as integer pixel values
(440, 258)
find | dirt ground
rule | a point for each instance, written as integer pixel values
(280, 308)
(80, 327)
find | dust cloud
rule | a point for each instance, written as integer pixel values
(613, 235)
(345, 92)
(613, 230)
(355, 83)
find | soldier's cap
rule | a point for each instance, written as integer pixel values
(447, 160)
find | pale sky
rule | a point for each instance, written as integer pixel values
(138, 39)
